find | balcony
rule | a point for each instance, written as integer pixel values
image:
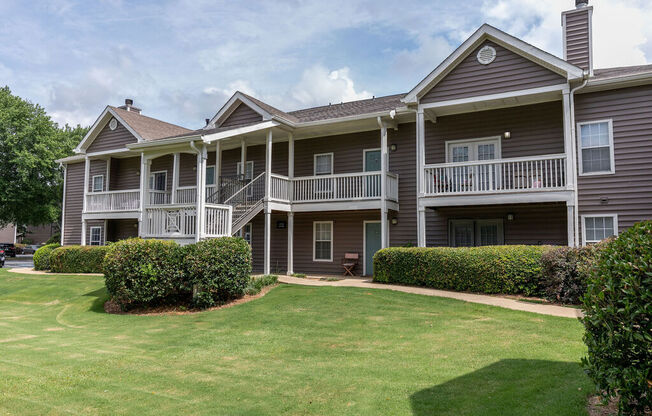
(524, 175)
(113, 201)
(179, 221)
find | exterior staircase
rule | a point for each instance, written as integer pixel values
(246, 202)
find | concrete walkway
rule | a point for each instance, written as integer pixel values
(30, 270)
(552, 310)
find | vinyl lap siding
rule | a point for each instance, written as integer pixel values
(125, 174)
(508, 72)
(629, 190)
(121, 229)
(97, 168)
(109, 139)
(241, 115)
(577, 37)
(73, 203)
(403, 163)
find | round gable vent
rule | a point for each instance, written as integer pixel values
(486, 55)
(113, 124)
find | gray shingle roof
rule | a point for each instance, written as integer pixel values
(149, 128)
(621, 71)
(352, 108)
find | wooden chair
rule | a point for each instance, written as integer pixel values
(350, 262)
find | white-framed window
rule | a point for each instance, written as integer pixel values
(596, 147)
(322, 247)
(158, 181)
(96, 236)
(249, 174)
(245, 232)
(98, 183)
(323, 164)
(598, 227)
(481, 232)
(210, 175)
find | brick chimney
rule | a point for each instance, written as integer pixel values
(578, 35)
(129, 106)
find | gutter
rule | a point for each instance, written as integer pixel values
(574, 153)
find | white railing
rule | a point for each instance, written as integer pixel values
(209, 193)
(186, 195)
(534, 173)
(159, 197)
(347, 186)
(217, 222)
(279, 187)
(113, 201)
(170, 221)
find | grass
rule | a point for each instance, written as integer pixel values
(296, 351)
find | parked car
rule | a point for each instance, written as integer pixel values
(9, 249)
(30, 249)
(2, 258)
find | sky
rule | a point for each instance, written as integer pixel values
(180, 60)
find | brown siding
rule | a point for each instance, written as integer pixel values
(39, 234)
(109, 139)
(279, 237)
(535, 130)
(508, 72)
(125, 174)
(97, 167)
(532, 224)
(629, 190)
(230, 159)
(187, 169)
(577, 37)
(164, 163)
(347, 152)
(94, 223)
(403, 163)
(121, 229)
(241, 115)
(73, 203)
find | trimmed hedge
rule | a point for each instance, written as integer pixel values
(78, 259)
(42, 256)
(566, 271)
(217, 270)
(491, 269)
(618, 320)
(141, 272)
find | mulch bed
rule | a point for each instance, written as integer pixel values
(111, 307)
(596, 408)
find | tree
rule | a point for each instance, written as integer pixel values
(31, 182)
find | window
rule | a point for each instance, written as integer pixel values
(323, 241)
(98, 183)
(249, 174)
(598, 227)
(470, 233)
(210, 175)
(158, 181)
(324, 164)
(596, 147)
(96, 236)
(245, 232)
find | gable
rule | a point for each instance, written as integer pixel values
(108, 139)
(508, 72)
(242, 114)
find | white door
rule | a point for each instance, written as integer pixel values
(473, 178)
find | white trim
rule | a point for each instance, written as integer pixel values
(496, 139)
(314, 163)
(214, 175)
(364, 242)
(364, 158)
(63, 205)
(99, 124)
(600, 215)
(497, 199)
(90, 231)
(151, 176)
(93, 183)
(290, 244)
(346, 205)
(314, 241)
(233, 103)
(612, 163)
(244, 174)
(487, 32)
(209, 138)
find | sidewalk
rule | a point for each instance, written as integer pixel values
(552, 310)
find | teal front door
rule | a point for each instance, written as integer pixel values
(372, 164)
(371, 245)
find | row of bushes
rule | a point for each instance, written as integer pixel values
(70, 259)
(558, 273)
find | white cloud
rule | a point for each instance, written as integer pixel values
(319, 85)
(422, 60)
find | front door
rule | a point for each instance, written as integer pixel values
(473, 178)
(372, 243)
(372, 164)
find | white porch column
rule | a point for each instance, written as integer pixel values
(201, 186)
(290, 166)
(218, 169)
(569, 147)
(83, 232)
(268, 238)
(175, 177)
(268, 211)
(384, 234)
(144, 182)
(290, 270)
(421, 215)
(268, 164)
(243, 158)
(570, 222)
(87, 170)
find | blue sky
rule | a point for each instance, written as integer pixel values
(181, 60)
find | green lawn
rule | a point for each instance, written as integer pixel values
(298, 351)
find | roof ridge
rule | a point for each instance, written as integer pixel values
(346, 102)
(134, 113)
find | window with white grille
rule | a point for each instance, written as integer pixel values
(96, 236)
(324, 164)
(596, 147)
(323, 241)
(598, 227)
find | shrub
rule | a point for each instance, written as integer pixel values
(217, 270)
(618, 320)
(256, 284)
(490, 269)
(56, 238)
(566, 271)
(42, 257)
(143, 272)
(77, 259)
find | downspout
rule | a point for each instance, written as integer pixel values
(585, 78)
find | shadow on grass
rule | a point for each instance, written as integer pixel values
(101, 296)
(508, 387)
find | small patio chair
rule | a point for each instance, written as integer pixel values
(350, 262)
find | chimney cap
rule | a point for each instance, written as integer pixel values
(581, 3)
(129, 102)
(208, 120)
